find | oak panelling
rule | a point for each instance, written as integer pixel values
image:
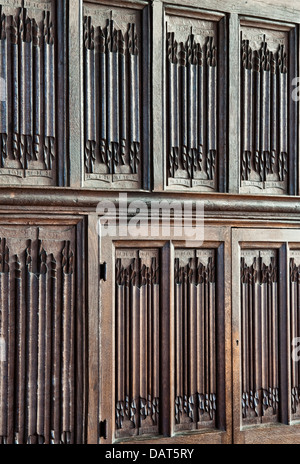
(195, 339)
(42, 367)
(195, 80)
(137, 338)
(116, 96)
(264, 326)
(268, 113)
(167, 349)
(260, 350)
(29, 139)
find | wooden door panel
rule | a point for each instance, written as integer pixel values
(163, 344)
(41, 370)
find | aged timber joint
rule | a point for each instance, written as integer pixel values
(28, 115)
(113, 78)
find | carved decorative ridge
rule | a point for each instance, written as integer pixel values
(259, 402)
(200, 402)
(204, 273)
(67, 259)
(129, 408)
(258, 272)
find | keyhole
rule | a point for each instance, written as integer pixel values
(237, 343)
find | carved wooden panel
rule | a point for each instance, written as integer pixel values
(194, 127)
(28, 138)
(115, 89)
(40, 379)
(137, 342)
(295, 329)
(259, 328)
(267, 138)
(195, 339)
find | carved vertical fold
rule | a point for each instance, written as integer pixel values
(36, 97)
(112, 98)
(49, 91)
(37, 329)
(295, 331)
(264, 165)
(4, 93)
(103, 95)
(195, 353)
(67, 359)
(4, 339)
(259, 306)
(15, 40)
(265, 57)
(137, 366)
(211, 58)
(26, 84)
(192, 101)
(283, 92)
(201, 112)
(41, 340)
(31, 349)
(90, 94)
(134, 98)
(247, 93)
(174, 104)
(123, 98)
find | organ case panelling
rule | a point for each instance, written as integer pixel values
(195, 148)
(267, 110)
(195, 339)
(259, 336)
(115, 96)
(28, 138)
(39, 373)
(137, 342)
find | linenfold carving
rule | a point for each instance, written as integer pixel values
(264, 106)
(28, 114)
